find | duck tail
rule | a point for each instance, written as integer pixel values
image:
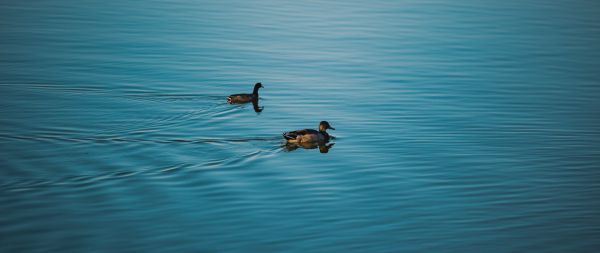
(289, 136)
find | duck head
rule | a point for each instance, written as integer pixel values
(324, 125)
(257, 86)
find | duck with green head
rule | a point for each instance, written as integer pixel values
(309, 135)
(244, 97)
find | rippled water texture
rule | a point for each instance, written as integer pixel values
(462, 126)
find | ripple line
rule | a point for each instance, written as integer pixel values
(24, 184)
(118, 139)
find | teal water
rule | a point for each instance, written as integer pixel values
(467, 126)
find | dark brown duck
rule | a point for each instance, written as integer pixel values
(245, 98)
(309, 135)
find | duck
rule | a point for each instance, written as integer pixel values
(309, 135)
(245, 98)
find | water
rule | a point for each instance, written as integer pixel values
(461, 127)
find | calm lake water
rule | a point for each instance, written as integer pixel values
(462, 126)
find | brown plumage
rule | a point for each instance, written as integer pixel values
(243, 97)
(323, 147)
(309, 135)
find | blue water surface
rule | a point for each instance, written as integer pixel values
(462, 126)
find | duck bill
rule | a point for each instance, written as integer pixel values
(331, 128)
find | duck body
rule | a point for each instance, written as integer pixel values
(309, 135)
(306, 135)
(244, 97)
(240, 98)
(323, 146)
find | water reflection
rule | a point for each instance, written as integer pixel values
(256, 107)
(324, 147)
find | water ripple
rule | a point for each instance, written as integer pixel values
(464, 126)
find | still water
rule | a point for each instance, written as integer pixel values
(462, 126)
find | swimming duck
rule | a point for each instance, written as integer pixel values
(309, 135)
(245, 98)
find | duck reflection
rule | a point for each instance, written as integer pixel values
(324, 147)
(256, 107)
